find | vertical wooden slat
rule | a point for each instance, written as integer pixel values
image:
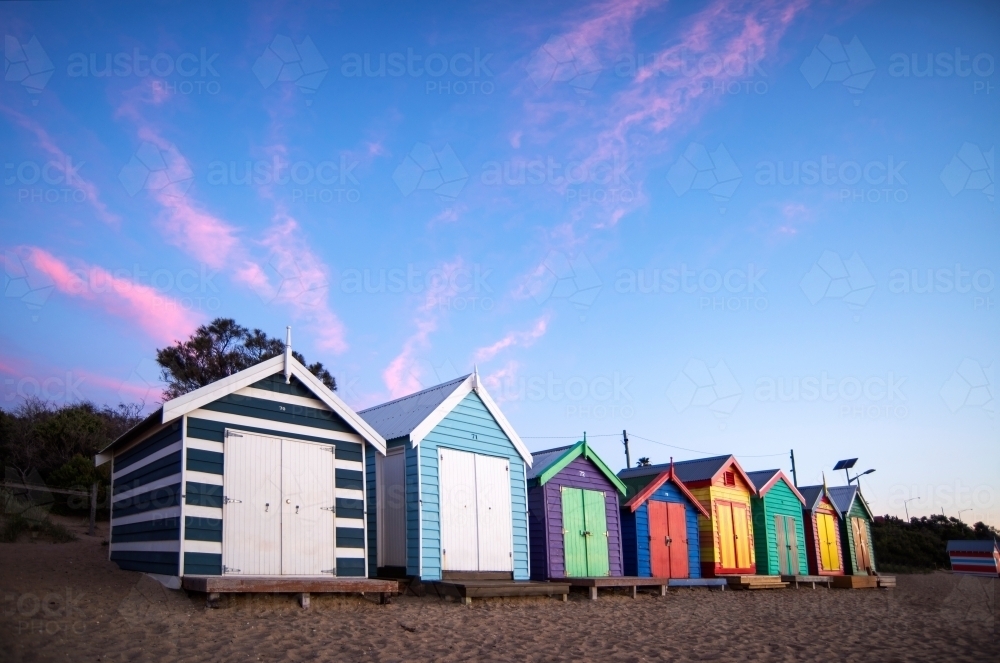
(574, 525)
(493, 511)
(596, 541)
(457, 510)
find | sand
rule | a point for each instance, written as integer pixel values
(66, 602)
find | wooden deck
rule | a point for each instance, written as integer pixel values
(756, 582)
(855, 582)
(213, 586)
(886, 582)
(466, 590)
(632, 582)
(812, 581)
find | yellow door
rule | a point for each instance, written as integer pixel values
(725, 531)
(742, 536)
(827, 542)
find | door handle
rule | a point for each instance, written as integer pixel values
(267, 506)
(296, 508)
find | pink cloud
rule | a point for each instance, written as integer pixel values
(512, 339)
(65, 163)
(497, 382)
(403, 375)
(160, 316)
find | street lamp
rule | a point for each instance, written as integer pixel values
(858, 476)
(960, 512)
(907, 510)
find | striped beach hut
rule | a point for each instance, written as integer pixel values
(975, 558)
(573, 514)
(855, 530)
(724, 489)
(823, 544)
(660, 529)
(449, 498)
(257, 474)
(778, 528)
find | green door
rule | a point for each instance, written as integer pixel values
(787, 545)
(585, 533)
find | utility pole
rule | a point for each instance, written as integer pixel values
(795, 477)
(628, 457)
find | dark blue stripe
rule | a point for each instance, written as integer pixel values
(350, 566)
(164, 529)
(288, 413)
(350, 537)
(158, 469)
(347, 508)
(149, 446)
(199, 460)
(204, 429)
(203, 529)
(203, 494)
(164, 563)
(276, 383)
(352, 479)
(160, 498)
(202, 564)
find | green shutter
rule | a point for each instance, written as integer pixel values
(574, 525)
(597, 533)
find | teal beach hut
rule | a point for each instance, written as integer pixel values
(778, 528)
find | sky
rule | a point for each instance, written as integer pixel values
(725, 227)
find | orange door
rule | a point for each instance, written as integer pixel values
(861, 544)
(659, 539)
(741, 535)
(677, 524)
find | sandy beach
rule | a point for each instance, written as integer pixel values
(67, 602)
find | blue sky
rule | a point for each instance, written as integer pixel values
(709, 224)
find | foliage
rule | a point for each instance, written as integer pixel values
(218, 350)
(922, 542)
(13, 527)
(642, 462)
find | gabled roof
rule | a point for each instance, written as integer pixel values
(669, 475)
(416, 415)
(813, 495)
(700, 469)
(178, 407)
(764, 480)
(550, 462)
(843, 496)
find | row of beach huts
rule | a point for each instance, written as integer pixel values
(266, 481)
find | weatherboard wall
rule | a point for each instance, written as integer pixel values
(545, 507)
(778, 501)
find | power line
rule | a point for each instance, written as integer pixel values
(564, 437)
(700, 451)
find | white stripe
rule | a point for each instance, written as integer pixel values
(176, 446)
(196, 511)
(157, 514)
(204, 445)
(203, 477)
(355, 465)
(190, 545)
(351, 553)
(266, 395)
(350, 494)
(145, 488)
(237, 421)
(146, 546)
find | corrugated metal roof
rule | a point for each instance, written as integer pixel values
(398, 418)
(686, 470)
(761, 477)
(541, 460)
(812, 495)
(842, 497)
(971, 545)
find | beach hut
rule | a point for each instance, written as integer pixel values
(573, 514)
(975, 558)
(257, 474)
(820, 516)
(724, 490)
(449, 498)
(778, 528)
(855, 530)
(660, 529)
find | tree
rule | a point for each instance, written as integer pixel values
(642, 462)
(220, 349)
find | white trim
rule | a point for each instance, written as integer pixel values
(379, 506)
(212, 392)
(239, 420)
(470, 384)
(420, 514)
(527, 525)
(158, 514)
(199, 511)
(341, 464)
(182, 498)
(146, 487)
(146, 546)
(170, 582)
(202, 477)
(349, 553)
(212, 547)
(349, 494)
(278, 397)
(204, 445)
(139, 464)
(364, 507)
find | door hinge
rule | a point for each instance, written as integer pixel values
(229, 569)
(328, 508)
(230, 433)
(333, 571)
(229, 500)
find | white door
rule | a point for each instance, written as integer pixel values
(307, 511)
(393, 500)
(457, 494)
(494, 513)
(251, 537)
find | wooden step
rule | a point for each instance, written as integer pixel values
(756, 582)
(887, 582)
(855, 582)
(477, 575)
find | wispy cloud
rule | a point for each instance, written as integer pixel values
(513, 339)
(161, 317)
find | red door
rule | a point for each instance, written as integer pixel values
(677, 524)
(659, 536)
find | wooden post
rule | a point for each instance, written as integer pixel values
(565, 597)
(634, 590)
(93, 508)
(466, 600)
(304, 600)
(663, 590)
(212, 600)
(593, 593)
